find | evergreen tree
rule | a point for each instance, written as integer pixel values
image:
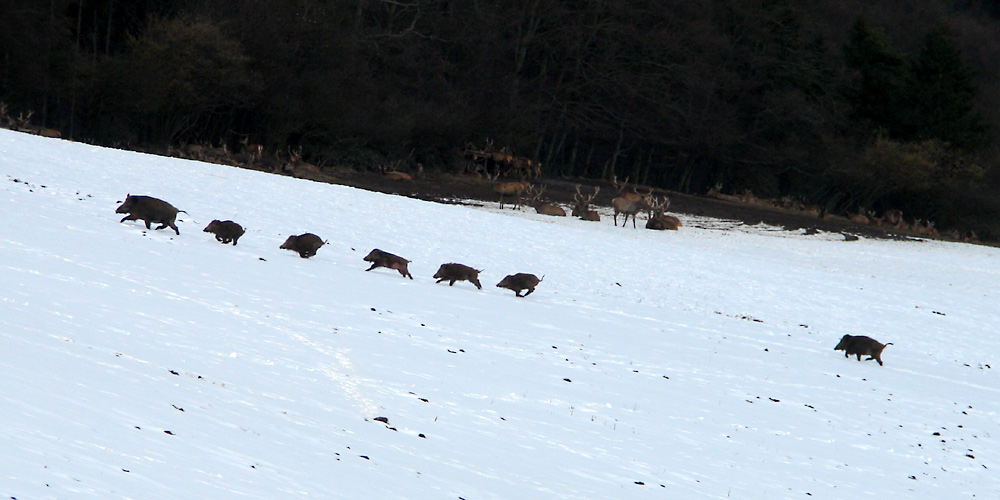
(941, 94)
(877, 94)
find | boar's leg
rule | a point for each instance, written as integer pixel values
(451, 283)
(407, 274)
(167, 224)
(374, 265)
(476, 282)
(529, 292)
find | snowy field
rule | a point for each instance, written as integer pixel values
(696, 364)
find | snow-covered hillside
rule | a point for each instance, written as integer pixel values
(696, 364)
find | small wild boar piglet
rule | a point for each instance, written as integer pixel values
(378, 258)
(149, 210)
(458, 272)
(225, 231)
(520, 281)
(305, 244)
(861, 346)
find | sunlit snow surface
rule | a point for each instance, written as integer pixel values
(696, 364)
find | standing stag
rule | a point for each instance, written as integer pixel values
(628, 203)
(512, 189)
(544, 208)
(582, 207)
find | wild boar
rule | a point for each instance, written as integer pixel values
(458, 272)
(225, 231)
(305, 244)
(520, 281)
(149, 210)
(378, 258)
(861, 345)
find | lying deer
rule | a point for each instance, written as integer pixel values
(534, 194)
(658, 220)
(582, 207)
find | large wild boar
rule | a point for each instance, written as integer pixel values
(149, 210)
(306, 244)
(458, 272)
(861, 345)
(225, 231)
(520, 281)
(378, 258)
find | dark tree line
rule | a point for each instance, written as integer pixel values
(849, 103)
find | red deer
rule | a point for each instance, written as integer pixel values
(297, 166)
(378, 258)
(628, 203)
(397, 175)
(520, 281)
(225, 231)
(149, 210)
(925, 228)
(251, 152)
(582, 207)
(24, 125)
(306, 244)
(872, 219)
(716, 192)
(458, 272)
(394, 173)
(858, 218)
(543, 208)
(658, 220)
(513, 189)
(861, 345)
(894, 216)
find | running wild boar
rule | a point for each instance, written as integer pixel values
(520, 281)
(458, 272)
(305, 244)
(225, 231)
(378, 258)
(861, 345)
(149, 210)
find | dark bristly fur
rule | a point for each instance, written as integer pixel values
(861, 345)
(520, 281)
(305, 244)
(149, 210)
(225, 231)
(378, 258)
(453, 272)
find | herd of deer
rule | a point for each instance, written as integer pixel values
(890, 219)
(628, 204)
(23, 123)
(491, 161)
